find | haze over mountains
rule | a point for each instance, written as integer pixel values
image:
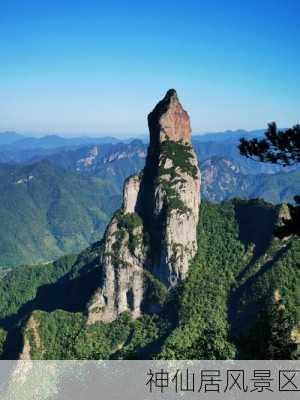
(18, 147)
(8, 137)
(85, 177)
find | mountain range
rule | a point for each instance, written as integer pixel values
(90, 179)
(174, 277)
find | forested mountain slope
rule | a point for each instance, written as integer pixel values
(46, 212)
(240, 300)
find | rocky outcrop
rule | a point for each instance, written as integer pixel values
(31, 331)
(155, 231)
(171, 191)
(123, 259)
(130, 193)
(169, 121)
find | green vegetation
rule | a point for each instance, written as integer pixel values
(70, 211)
(3, 336)
(20, 286)
(155, 292)
(65, 335)
(223, 179)
(146, 333)
(272, 281)
(180, 154)
(129, 221)
(203, 326)
(241, 298)
(225, 305)
(127, 225)
(172, 198)
(46, 212)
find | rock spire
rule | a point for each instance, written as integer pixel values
(154, 235)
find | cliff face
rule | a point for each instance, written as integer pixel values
(123, 260)
(155, 231)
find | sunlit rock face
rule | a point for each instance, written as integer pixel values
(169, 120)
(130, 193)
(155, 231)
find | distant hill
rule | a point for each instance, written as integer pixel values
(112, 162)
(25, 142)
(208, 150)
(225, 174)
(228, 136)
(16, 148)
(46, 212)
(7, 138)
(224, 179)
(21, 142)
(222, 144)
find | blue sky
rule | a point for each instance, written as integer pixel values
(98, 67)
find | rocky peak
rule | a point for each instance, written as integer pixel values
(155, 232)
(169, 120)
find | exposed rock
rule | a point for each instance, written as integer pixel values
(171, 191)
(32, 330)
(123, 258)
(277, 296)
(124, 155)
(169, 120)
(24, 180)
(295, 335)
(155, 231)
(25, 353)
(284, 214)
(130, 193)
(89, 160)
(278, 299)
(220, 179)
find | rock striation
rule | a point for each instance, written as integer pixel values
(154, 235)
